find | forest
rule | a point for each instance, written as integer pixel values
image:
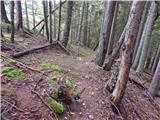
(80, 60)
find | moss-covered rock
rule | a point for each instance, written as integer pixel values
(56, 106)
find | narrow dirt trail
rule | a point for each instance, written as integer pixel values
(94, 101)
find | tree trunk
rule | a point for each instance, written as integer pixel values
(12, 21)
(19, 16)
(27, 19)
(111, 38)
(152, 61)
(115, 52)
(54, 21)
(80, 23)
(138, 40)
(157, 58)
(67, 23)
(59, 22)
(3, 13)
(50, 20)
(85, 30)
(45, 12)
(105, 32)
(146, 35)
(155, 84)
(130, 37)
(89, 29)
(34, 23)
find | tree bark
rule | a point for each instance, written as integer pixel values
(157, 58)
(146, 35)
(33, 13)
(67, 23)
(45, 12)
(115, 52)
(59, 22)
(19, 16)
(12, 21)
(104, 35)
(27, 19)
(89, 29)
(3, 13)
(80, 23)
(85, 30)
(54, 21)
(50, 20)
(111, 38)
(138, 40)
(155, 84)
(130, 37)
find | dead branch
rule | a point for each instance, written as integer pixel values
(13, 105)
(22, 65)
(45, 103)
(137, 83)
(48, 15)
(63, 48)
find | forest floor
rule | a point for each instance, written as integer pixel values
(19, 102)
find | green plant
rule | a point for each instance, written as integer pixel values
(10, 61)
(51, 66)
(56, 106)
(10, 72)
(4, 25)
(6, 37)
(52, 79)
(69, 83)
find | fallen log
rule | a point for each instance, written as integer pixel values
(19, 54)
(138, 83)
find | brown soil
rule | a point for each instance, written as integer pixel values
(94, 102)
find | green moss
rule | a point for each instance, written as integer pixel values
(51, 66)
(69, 83)
(57, 107)
(52, 79)
(10, 72)
(10, 61)
(8, 94)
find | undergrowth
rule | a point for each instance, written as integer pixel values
(11, 72)
(50, 65)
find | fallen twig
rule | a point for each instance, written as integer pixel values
(14, 106)
(45, 103)
(22, 65)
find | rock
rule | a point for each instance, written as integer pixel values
(90, 117)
